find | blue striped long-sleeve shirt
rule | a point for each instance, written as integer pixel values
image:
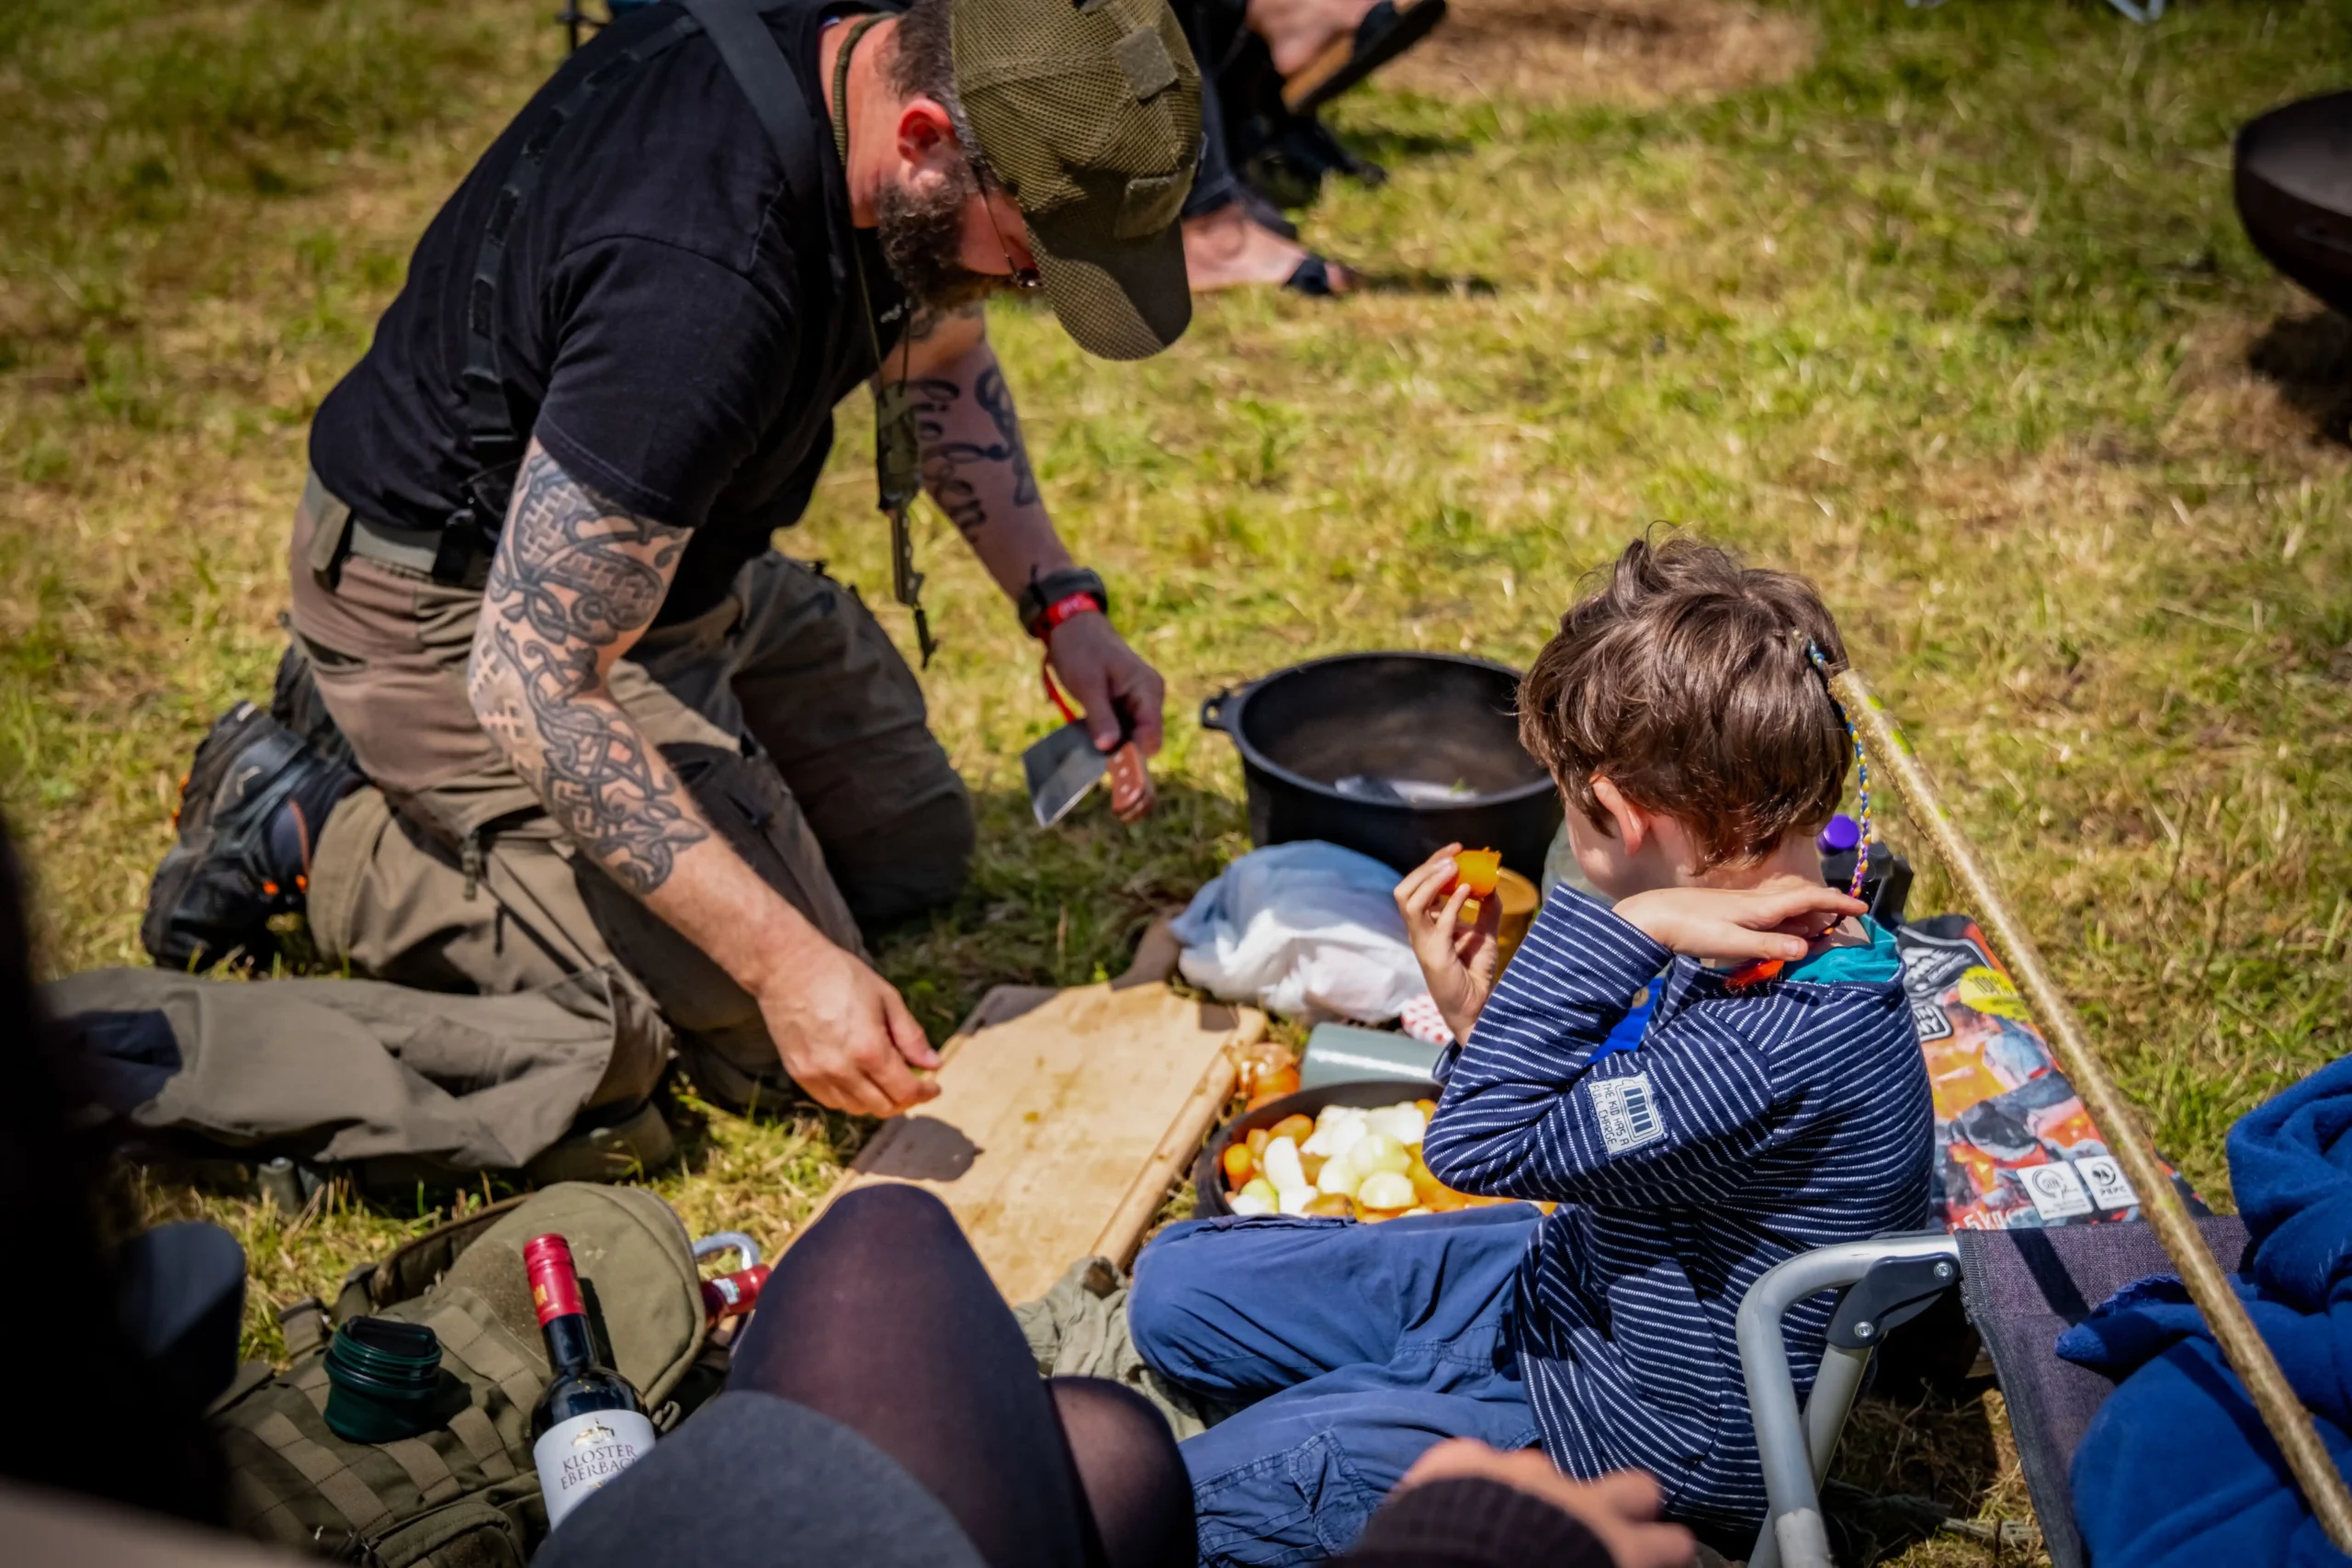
(1751, 1125)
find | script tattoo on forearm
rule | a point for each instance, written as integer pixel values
(944, 460)
(946, 464)
(573, 574)
(991, 392)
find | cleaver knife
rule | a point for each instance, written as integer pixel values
(1064, 766)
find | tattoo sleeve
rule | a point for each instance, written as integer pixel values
(575, 581)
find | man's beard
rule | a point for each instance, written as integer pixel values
(922, 239)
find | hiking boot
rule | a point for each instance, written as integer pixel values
(620, 1146)
(250, 811)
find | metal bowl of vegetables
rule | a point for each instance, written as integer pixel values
(1335, 1134)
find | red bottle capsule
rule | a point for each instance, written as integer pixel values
(733, 1295)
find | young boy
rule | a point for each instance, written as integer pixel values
(1777, 1103)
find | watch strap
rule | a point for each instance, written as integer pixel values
(1055, 596)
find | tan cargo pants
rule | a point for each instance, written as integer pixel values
(785, 709)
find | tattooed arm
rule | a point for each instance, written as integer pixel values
(574, 584)
(976, 466)
(974, 462)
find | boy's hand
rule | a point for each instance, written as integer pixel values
(1458, 961)
(1621, 1509)
(1728, 924)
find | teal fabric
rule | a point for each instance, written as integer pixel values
(1852, 965)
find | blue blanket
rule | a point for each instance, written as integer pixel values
(2177, 1470)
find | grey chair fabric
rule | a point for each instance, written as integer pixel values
(2022, 1289)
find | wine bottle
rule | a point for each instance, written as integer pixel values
(733, 1295)
(590, 1425)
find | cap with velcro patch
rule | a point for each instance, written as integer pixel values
(1089, 115)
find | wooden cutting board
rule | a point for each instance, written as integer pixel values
(1062, 1117)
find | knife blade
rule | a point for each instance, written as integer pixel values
(1059, 769)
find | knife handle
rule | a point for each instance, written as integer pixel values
(1132, 795)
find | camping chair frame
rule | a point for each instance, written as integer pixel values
(2289, 1424)
(1886, 1282)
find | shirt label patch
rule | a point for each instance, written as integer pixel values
(2057, 1193)
(1629, 1115)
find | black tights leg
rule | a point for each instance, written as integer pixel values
(882, 1318)
(1128, 1466)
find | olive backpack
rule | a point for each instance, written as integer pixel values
(464, 1493)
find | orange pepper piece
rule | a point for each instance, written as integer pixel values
(1240, 1166)
(1478, 869)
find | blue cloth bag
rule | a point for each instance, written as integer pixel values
(2177, 1470)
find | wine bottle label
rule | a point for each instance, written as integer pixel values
(576, 1457)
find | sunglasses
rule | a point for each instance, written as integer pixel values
(1020, 277)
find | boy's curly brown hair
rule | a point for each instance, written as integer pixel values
(1683, 680)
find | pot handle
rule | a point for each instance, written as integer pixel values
(1212, 709)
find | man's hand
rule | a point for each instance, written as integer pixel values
(1725, 924)
(1621, 1509)
(1459, 962)
(1109, 681)
(844, 1035)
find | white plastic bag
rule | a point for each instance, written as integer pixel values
(1309, 929)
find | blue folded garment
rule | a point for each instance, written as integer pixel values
(2177, 1470)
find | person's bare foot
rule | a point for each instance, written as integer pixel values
(1226, 248)
(1297, 31)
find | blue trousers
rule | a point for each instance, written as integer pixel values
(1354, 1348)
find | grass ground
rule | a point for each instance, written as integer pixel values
(1946, 307)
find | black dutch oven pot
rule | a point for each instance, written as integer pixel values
(2294, 193)
(1434, 718)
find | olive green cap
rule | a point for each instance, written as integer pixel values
(1090, 116)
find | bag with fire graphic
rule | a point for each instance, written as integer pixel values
(2014, 1145)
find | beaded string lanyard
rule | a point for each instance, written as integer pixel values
(1764, 969)
(1861, 768)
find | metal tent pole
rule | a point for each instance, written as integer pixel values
(2289, 1423)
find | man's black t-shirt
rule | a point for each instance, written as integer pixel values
(675, 323)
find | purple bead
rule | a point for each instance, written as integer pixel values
(1842, 834)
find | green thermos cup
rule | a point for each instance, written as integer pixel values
(384, 1380)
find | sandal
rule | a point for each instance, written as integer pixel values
(1312, 276)
(1387, 31)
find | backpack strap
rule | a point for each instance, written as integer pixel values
(493, 441)
(473, 1428)
(352, 1497)
(757, 64)
(312, 1380)
(435, 1482)
(464, 1338)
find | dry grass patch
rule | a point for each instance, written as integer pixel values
(1639, 53)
